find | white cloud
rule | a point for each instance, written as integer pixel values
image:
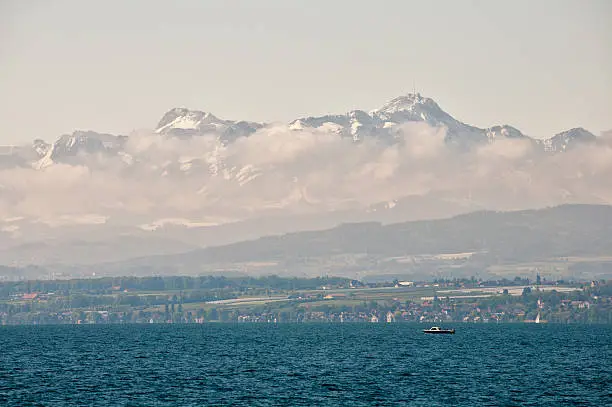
(197, 178)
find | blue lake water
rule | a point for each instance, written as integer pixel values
(305, 364)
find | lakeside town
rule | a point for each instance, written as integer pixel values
(275, 299)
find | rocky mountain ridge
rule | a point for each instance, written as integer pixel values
(383, 124)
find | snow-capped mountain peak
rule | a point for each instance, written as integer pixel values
(384, 124)
(69, 146)
(182, 122)
(414, 107)
(409, 102)
(185, 119)
(504, 131)
(567, 139)
(41, 147)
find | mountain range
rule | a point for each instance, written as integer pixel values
(197, 180)
(381, 123)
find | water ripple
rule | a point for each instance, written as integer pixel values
(305, 365)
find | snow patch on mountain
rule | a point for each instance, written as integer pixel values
(185, 123)
(568, 139)
(185, 119)
(245, 174)
(76, 219)
(69, 146)
(505, 131)
(187, 223)
(10, 228)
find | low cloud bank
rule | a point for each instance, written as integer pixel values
(277, 169)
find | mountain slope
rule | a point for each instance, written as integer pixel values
(568, 139)
(185, 123)
(73, 148)
(512, 237)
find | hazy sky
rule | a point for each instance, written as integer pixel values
(113, 66)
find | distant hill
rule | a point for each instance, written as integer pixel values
(493, 237)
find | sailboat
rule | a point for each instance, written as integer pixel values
(538, 320)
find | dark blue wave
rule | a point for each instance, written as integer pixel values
(305, 365)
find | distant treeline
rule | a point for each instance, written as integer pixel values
(166, 283)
